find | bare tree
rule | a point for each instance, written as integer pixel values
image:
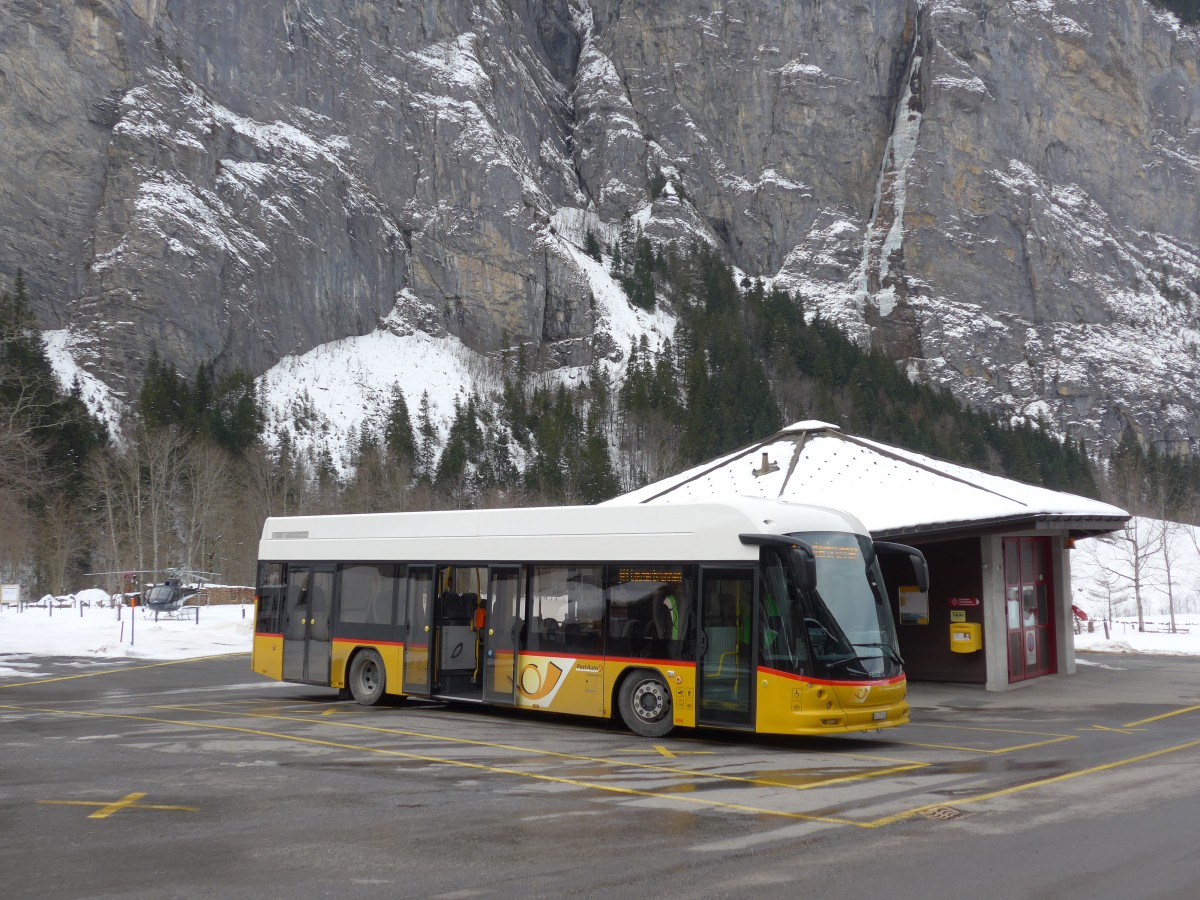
(136, 485)
(1170, 533)
(206, 479)
(1137, 544)
(1108, 587)
(24, 475)
(104, 483)
(16, 538)
(649, 450)
(161, 452)
(61, 542)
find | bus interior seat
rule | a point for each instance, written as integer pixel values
(728, 605)
(294, 595)
(452, 608)
(661, 616)
(572, 633)
(318, 607)
(469, 602)
(632, 634)
(379, 608)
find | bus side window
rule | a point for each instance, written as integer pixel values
(650, 613)
(271, 582)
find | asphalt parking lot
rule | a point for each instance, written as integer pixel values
(197, 778)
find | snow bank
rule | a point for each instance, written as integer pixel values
(95, 632)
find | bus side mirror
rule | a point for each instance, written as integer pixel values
(804, 564)
(915, 556)
(800, 555)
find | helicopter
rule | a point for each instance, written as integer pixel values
(171, 595)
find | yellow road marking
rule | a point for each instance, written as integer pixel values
(347, 712)
(1054, 738)
(500, 770)
(173, 662)
(993, 730)
(1002, 750)
(1125, 730)
(756, 782)
(668, 753)
(129, 801)
(609, 788)
(1029, 785)
(1178, 712)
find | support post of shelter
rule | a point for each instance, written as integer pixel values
(995, 628)
(1064, 619)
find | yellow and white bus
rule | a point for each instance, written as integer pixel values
(748, 614)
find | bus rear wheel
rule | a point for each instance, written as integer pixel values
(645, 704)
(367, 678)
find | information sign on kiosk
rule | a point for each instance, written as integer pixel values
(914, 605)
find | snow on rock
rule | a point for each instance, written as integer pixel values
(63, 348)
(324, 397)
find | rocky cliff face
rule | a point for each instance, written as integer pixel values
(1002, 194)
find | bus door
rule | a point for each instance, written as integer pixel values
(459, 605)
(307, 644)
(502, 630)
(724, 663)
(418, 630)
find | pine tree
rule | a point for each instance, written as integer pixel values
(237, 417)
(1187, 10)
(398, 433)
(58, 432)
(591, 246)
(639, 285)
(158, 400)
(427, 439)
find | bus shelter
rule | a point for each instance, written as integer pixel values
(998, 610)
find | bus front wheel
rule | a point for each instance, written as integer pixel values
(367, 678)
(645, 704)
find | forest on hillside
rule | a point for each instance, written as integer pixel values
(190, 475)
(1187, 10)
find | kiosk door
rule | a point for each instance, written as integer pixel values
(1029, 607)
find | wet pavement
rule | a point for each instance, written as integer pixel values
(199, 779)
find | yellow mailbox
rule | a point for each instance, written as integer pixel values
(966, 637)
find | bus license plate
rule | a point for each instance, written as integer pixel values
(879, 716)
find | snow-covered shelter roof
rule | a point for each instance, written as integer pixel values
(894, 492)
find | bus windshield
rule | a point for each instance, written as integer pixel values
(842, 627)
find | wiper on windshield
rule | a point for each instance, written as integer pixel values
(847, 660)
(888, 651)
